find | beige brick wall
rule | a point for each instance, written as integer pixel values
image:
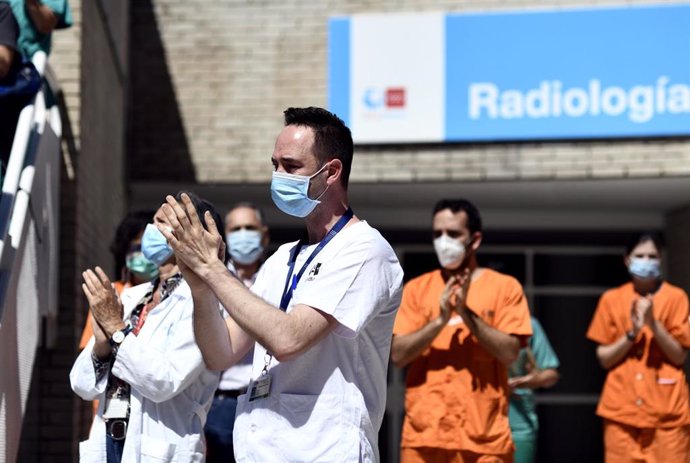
(234, 66)
(92, 203)
(65, 59)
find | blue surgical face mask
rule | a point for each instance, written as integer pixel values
(245, 246)
(645, 269)
(140, 266)
(155, 246)
(290, 193)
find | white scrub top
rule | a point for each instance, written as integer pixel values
(327, 404)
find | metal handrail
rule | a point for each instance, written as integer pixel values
(31, 121)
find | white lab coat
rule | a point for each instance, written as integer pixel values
(171, 389)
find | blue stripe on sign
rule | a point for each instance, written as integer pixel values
(339, 68)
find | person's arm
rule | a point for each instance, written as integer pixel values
(106, 309)
(643, 312)
(407, 347)
(505, 347)
(84, 378)
(610, 355)
(42, 17)
(535, 379)
(673, 350)
(6, 58)
(284, 335)
(222, 342)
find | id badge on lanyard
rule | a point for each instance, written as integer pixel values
(261, 387)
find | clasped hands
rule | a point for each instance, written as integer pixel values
(454, 296)
(642, 313)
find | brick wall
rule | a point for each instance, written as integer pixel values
(93, 75)
(230, 68)
(65, 59)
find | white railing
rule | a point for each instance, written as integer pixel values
(29, 218)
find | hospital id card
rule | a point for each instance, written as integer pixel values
(260, 388)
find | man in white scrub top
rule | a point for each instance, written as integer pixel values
(321, 311)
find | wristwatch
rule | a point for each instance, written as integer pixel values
(630, 335)
(119, 336)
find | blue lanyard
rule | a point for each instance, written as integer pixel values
(289, 288)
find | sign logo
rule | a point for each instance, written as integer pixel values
(395, 97)
(388, 98)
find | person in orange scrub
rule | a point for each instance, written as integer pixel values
(643, 334)
(458, 330)
(131, 265)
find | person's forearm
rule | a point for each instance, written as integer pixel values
(611, 354)
(535, 379)
(102, 350)
(284, 335)
(42, 17)
(6, 58)
(543, 378)
(210, 331)
(505, 347)
(673, 350)
(407, 347)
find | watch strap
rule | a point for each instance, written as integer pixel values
(125, 331)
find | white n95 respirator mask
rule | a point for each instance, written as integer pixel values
(450, 252)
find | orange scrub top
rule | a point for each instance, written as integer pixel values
(457, 393)
(644, 390)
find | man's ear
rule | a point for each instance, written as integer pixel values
(476, 240)
(335, 169)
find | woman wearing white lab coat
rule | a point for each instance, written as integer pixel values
(170, 389)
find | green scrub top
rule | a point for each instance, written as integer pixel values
(31, 40)
(522, 410)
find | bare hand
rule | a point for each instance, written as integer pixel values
(648, 310)
(98, 332)
(193, 245)
(641, 313)
(445, 302)
(520, 381)
(459, 291)
(103, 300)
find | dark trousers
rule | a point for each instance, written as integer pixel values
(218, 430)
(113, 449)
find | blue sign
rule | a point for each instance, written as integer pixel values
(584, 73)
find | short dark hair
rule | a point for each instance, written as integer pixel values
(653, 236)
(128, 229)
(332, 138)
(474, 220)
(248, 205)
(201, 205)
